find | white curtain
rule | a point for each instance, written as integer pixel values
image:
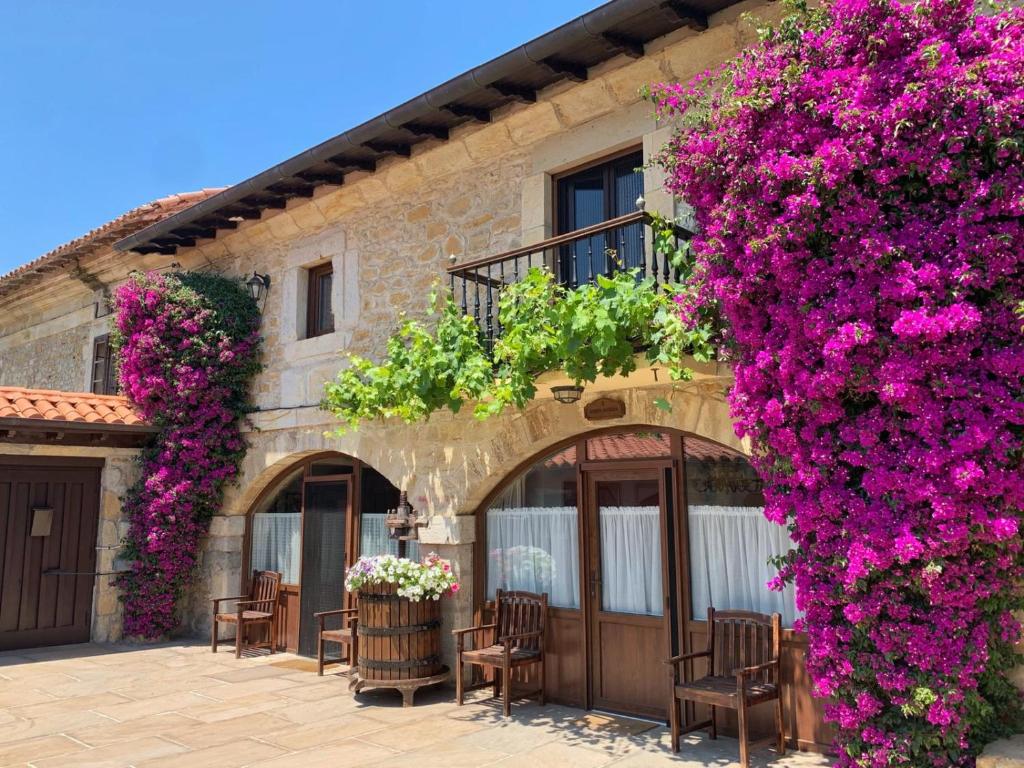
(275, 544)
(535, 549)
(729, 568)
(373, 538)
(631, 560)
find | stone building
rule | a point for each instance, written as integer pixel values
(538, 143)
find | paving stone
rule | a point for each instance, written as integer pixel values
(124, 754)
(36, 749)
(233, 755)
(348, 753)
(200, 709)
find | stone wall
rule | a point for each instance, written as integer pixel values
(54, 361)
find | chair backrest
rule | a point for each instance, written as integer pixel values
(519, 612)
(743, 639)
(264, 590)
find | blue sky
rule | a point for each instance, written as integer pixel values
(107, 105)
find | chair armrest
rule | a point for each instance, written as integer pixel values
(336, 612)
(687, 656)
(269, 603)
(460, 635)
(520, 636)
(467, 630)
(748, 671)
(217, 600)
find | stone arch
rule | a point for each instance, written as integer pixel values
(272, 453)
(475, 469)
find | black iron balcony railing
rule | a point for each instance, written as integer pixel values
(575, 258)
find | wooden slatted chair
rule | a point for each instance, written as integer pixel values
(743, 670)
(344, 635)
(259, 607)
(516, 639)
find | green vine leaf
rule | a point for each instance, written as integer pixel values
(586, 332)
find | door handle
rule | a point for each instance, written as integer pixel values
(595, 584)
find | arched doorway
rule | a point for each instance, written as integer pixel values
(311, 524)
(633, 533)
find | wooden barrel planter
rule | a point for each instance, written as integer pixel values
(399, 642)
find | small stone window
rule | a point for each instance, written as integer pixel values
(319, 313)
(104, 370)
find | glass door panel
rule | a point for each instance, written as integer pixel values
(626, 512)
(592, 196)
(630, 530)
(323, 554)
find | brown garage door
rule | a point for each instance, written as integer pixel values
(48, 517)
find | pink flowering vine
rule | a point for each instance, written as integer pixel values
(189, 347)
(858, 182)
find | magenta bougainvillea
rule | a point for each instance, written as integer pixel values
(188, 349)
(858, 182)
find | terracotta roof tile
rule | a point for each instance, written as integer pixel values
(105, 235)
(52, 405)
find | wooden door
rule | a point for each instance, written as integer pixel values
(326, 510)
(627, 590)
(48, 522)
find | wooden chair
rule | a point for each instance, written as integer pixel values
(743, 670)
(516, 639)
(259, 607)
(344, 635)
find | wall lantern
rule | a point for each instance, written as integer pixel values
(568, 393)
(402, 521)
(259, 287)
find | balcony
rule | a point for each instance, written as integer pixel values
(575, 258)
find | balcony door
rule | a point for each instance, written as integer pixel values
(592, 196)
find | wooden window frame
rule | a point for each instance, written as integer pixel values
(315, 275)
(103, 382)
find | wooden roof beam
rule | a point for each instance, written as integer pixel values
(217, 222)
(241, 212)
(175, 240)
(419, 129)
(515, 92)
(691, 17)
(263, 201)
(166, 250)
(567, 69)
(389, 148)
(624, 44)
(287, 190)
(473, 113)
(348, 164)
(336, 178)
(196, 232)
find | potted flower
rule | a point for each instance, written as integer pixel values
(399, 625)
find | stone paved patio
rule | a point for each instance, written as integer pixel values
(180, 705)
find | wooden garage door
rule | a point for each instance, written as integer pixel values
(48, 518)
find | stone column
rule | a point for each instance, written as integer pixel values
(219, 571)
(453, 538)
(118, 473)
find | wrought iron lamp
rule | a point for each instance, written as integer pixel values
(259, 287)
(567, 393)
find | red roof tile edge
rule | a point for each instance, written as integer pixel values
(106, 234)
(81, 408)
